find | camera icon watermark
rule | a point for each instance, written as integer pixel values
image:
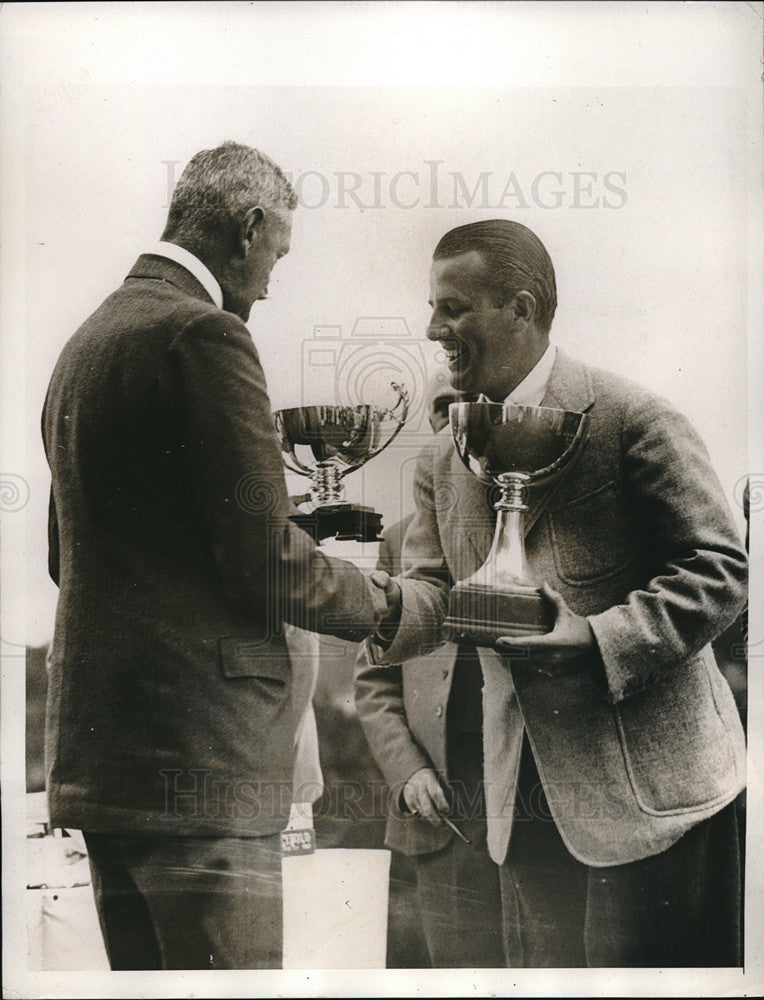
(361, 367)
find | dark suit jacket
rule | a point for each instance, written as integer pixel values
(169, 707)
(639, 538)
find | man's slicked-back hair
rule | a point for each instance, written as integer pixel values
(515, 258)
(217, 188)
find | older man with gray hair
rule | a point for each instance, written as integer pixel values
(170, 732)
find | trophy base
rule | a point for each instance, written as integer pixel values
(346, 522)
(479, 615)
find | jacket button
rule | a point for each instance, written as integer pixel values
(439, 711)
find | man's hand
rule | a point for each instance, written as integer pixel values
(423, 795)
(568, 647)
(386, 595)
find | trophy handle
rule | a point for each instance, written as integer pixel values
(280, 420)
(295, 467)
(571, 454)
(401, 404)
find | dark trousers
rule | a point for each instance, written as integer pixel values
(458, 886)
(188, 902)
(677, 908)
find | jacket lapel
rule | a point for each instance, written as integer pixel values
(569, 388)
(468, 521)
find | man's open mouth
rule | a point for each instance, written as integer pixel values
(457, 354)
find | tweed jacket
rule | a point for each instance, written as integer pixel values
(169, 707)
(638, 537)
(403, 713)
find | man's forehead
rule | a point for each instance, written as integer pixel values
(462, 274)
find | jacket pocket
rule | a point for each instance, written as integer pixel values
(677, 746)
(239, 656)
(591, 537)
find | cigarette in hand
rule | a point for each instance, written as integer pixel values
(454, 827)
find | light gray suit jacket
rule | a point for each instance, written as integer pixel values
(403, 711)
(639, 538)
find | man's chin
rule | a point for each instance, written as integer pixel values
(459, 380)
(239, 307)
(242, 310)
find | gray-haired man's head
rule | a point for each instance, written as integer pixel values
(232, 208)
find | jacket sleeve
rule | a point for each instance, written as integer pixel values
(699, 582)
(266, 564)
(54, 545)
(379, 699)
(53, 542)
(425, 580)
(386, 559)
(379, 695)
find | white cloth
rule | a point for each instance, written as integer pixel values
(307, 778)
(200, 271)
(532, 389)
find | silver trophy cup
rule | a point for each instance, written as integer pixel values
(326, 443)
(511, 447)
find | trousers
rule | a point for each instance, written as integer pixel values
(681, 907)
(188, 902)
(458, 886)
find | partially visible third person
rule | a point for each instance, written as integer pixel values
(424, 723)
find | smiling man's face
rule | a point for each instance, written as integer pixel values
(485, 350)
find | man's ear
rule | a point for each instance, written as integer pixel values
(249, 229)
(523, 306)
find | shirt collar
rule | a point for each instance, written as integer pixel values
(191, 263)
(532, 389)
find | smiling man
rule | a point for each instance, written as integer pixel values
(613, 751)
(169, 737)
(490, 344)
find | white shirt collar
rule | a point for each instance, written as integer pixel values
(191, 263)
(532, 389)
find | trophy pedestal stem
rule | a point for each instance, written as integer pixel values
(500, 598)
(512, 447)
(479, 615)
(328, 487)
(506, 565)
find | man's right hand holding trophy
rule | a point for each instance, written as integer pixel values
(513, 448)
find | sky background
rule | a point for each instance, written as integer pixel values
(627, 136)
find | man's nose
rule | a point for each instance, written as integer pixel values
(437, 331)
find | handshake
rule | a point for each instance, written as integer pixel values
(568, 647)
